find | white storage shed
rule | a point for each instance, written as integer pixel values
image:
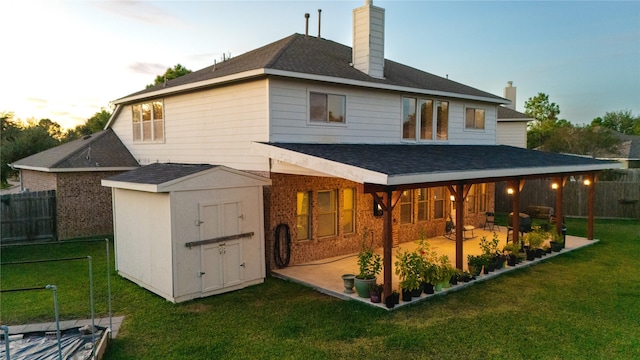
(185, 231)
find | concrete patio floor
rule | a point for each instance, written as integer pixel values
(326, 275)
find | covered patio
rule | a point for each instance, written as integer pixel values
(326, 275)
(386, 170)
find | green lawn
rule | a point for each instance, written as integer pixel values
(582, 305)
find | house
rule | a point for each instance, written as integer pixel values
(512, 125)
(352, 143)
(75, 171)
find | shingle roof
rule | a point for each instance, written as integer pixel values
(96, 151)
(159, 173)
(506, 113)
(484, 161)
(310, 55)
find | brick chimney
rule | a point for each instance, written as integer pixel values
(368, 39)
(510, 94)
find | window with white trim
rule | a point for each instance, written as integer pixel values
(482, 197)
(438, 203)
(474, 119)
(148, 121)
(303, 213)
(406, 207)
(422, 196)
(348, 210)
(327, 108)
(327, 213)
(418, 119)
(471, 200)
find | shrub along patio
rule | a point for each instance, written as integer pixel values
(583, 304)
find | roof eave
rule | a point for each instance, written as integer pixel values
(297, 75)
(69, 170)
(131, 186)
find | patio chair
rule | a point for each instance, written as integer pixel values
(450, 229)
(489, 221)
(524, 224)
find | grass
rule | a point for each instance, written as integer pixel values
(582, 305)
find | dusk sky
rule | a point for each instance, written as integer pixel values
(64, 60)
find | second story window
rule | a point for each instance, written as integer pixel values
(327, 108)
(418, 119)
(148, 122)
(474, 119)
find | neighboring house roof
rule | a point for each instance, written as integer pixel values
(411, 164)
(312, 58)
(506, 114)
(101, 151)
(167, 177)
(629, 147)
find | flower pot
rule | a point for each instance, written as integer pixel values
(349, 280)
(406, 295)
(428, 288)
(363, 285)
(438, 286)
(531, 254)
(376, 297)
(556, 246)
(390, 301)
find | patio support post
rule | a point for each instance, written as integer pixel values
(387, 241)
(562, 181)
(515, 221)
(459, 193)
(591, 195)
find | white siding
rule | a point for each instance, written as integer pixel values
(513, 133)
(372, 116)
(142, 233)
(214, 126)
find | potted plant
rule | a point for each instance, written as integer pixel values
(512, 250)
(375, 291)
(370, 265)
(475, 264)
(534, 240)
(429, 268)
(557, 243)
(408, 268)
(444, 270)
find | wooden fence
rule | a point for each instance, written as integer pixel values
(613, 199)
(28, 216)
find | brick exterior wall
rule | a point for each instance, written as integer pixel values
(280, 207)
(84, 206)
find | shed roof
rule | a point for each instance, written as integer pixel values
(313, 58)
(388, 164)
(101, 151)
(167, 177)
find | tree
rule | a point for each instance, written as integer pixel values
(22, 141)
(93, 124)
(583, 140)
(621, 121)
(546, 120)
(170, 74)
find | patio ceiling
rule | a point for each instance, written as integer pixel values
(407, 164)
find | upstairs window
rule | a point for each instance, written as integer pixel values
(474, 119)
(327, 108)
(148, 122)
(418, 119)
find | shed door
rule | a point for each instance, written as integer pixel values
(221, 263)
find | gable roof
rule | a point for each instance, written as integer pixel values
(629, 147)
(506, 114)
(101, 151)
(389, 164)
(298, 56)
(168, 177)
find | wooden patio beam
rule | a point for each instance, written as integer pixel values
(561, 181)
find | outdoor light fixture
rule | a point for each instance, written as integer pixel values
(554, 186)
(587, 182)
(510, 191)
(452, 198)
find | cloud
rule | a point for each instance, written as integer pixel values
(38, 103)
(142, 11)
(148, 68)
